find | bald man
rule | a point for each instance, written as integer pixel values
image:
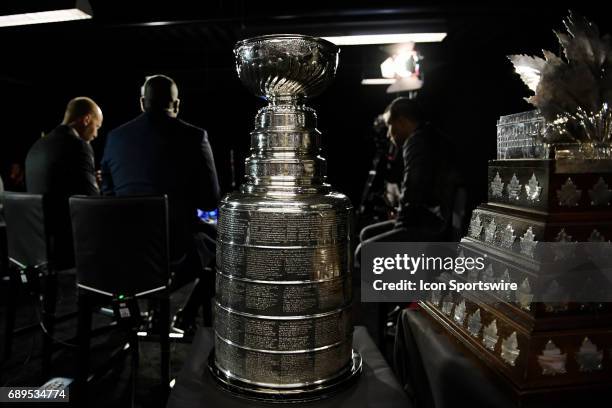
(157, 153)
(61, 164)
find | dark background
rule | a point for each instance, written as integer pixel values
(469, 82)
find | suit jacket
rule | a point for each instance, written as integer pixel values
(157, 154)
(426, 180)
(60, 165)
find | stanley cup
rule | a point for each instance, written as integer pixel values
(282, 322)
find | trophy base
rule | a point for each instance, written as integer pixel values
(307, 392)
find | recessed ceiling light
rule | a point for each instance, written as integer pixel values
(80, 10)
(377, 81)
(386, 38)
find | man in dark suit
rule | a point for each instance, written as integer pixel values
(157, 153)
(61, 164)
(426, 198)
(427, 184)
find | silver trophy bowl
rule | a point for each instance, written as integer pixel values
(282, 320)
(285, 67)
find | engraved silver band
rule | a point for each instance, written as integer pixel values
(283, 352)
(266, 282)
(299, 317)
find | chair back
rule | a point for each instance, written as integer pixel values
(26, 232)
(121, 244)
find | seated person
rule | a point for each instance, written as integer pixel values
(157, 153)
(426, 180)
(61, 164)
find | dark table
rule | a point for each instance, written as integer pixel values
(436, 372)
(376, 388)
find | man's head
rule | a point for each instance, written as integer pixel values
(84, 116)
(402, 117)
(159, 94)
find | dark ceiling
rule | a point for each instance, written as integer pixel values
(468, 81)
(199, 35)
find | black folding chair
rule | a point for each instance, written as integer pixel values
(121, 252)
(31, 257)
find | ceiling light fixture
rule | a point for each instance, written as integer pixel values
(386, 38)
(377, 81)
(65, 11)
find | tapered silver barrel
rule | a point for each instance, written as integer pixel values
(282, 311)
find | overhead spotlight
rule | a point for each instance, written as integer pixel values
(401, 70)
(52, 12)
(403, 63)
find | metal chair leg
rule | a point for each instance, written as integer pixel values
(48, 320)
(382, 326)
(13, 295)
(164, 324)
(83, 336)
(208, 293)
(135, 365)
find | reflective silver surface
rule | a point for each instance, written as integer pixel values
(282, 314)
(286, 65)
